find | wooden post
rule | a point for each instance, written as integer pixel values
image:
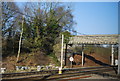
(119, 57)
(62, 51)
(82, 55)
(112, 54)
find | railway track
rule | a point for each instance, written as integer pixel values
(99, 71)
(51, 74)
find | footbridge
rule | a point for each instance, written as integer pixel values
(94, 39)
(98, 39)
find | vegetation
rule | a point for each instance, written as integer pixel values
(40, 31)
(100, 50)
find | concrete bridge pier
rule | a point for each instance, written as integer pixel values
(112, 55)
(119, 57)
(82, 55)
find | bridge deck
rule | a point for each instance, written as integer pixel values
(94, 39)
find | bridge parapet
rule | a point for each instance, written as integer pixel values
(94, 39)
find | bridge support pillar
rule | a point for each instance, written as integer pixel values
(82, 55)
(82, 58)
(112, 55)
(119, 56)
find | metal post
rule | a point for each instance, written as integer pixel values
(119, 57)
(112, 58)
(71, 64)
(62, 51)
(82, 56)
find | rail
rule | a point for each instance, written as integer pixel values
(43, 73)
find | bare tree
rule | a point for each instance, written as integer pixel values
(21, 34)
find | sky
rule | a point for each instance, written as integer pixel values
(61, 0)
(96, 17)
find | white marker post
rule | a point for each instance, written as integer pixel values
(60, 69)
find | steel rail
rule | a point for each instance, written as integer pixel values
(52, 72)
(64, 75)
